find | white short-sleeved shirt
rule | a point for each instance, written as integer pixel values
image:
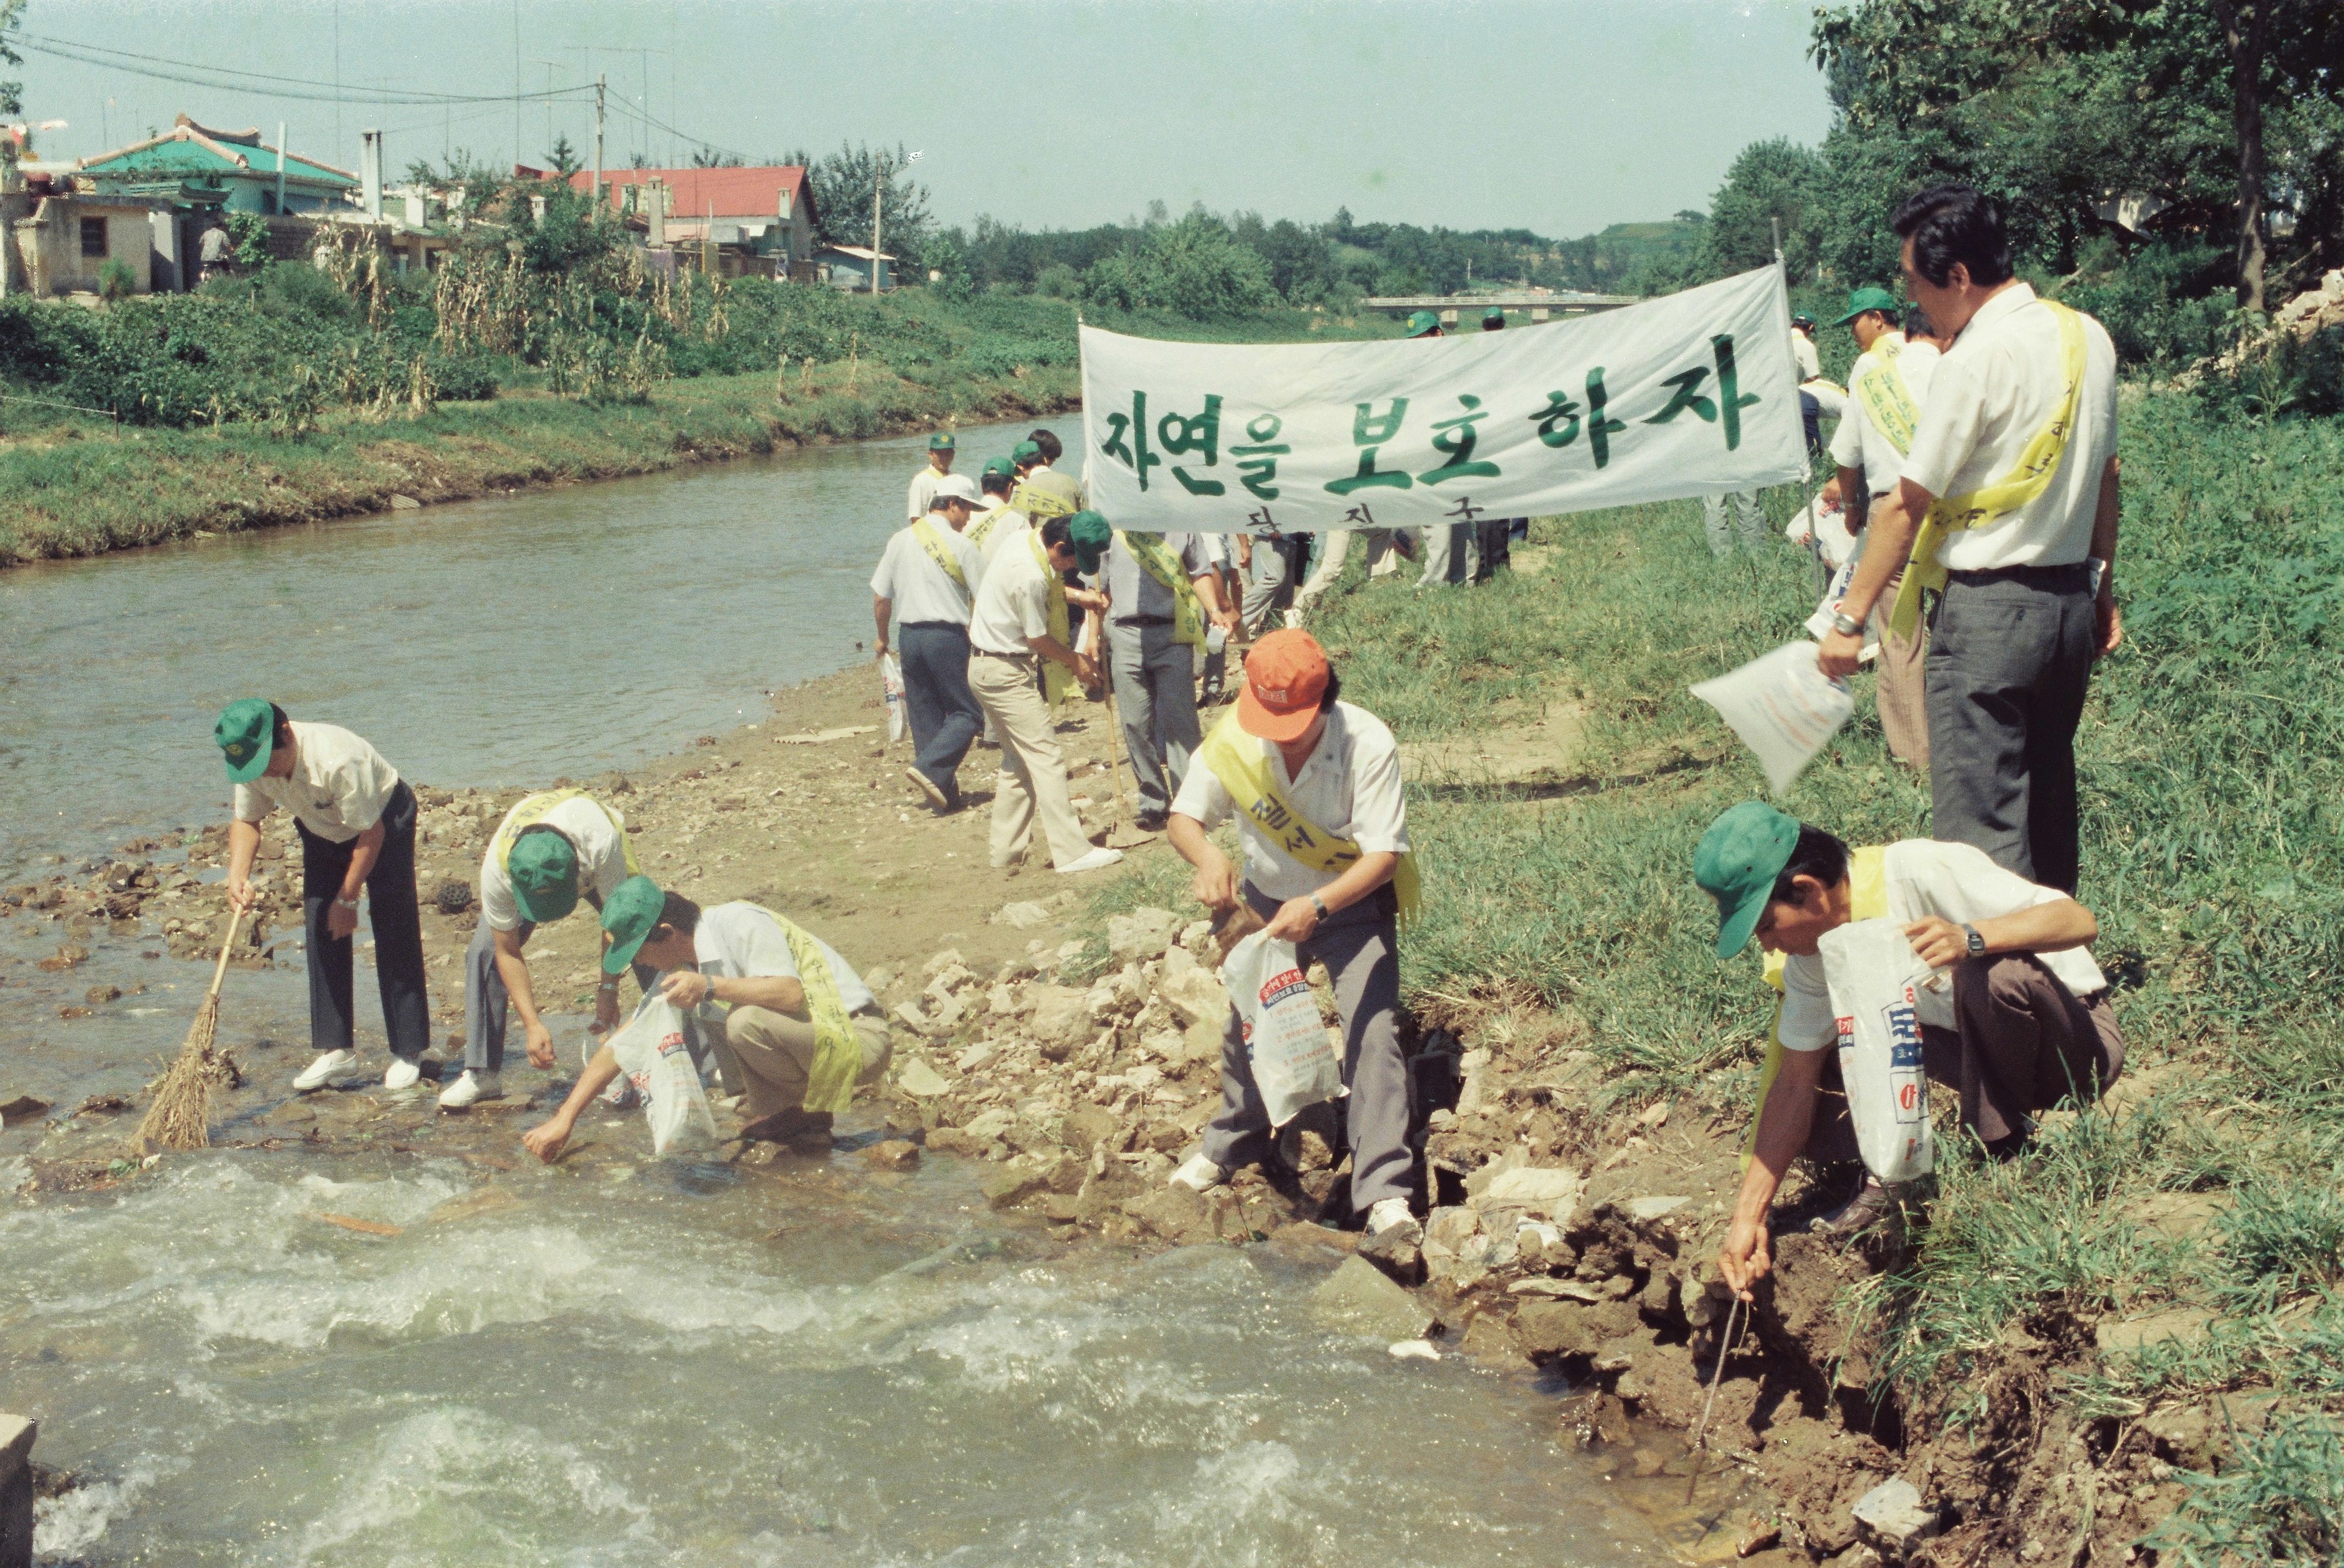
(919, 588)
(1998, 386)
(1803, 350)
(1014, 603)
(1350, 787)
(741, 942)
(1007, 524)
(923, 491)
(601, 849)
(1955, 882)
(1859, 443)
(338, 789)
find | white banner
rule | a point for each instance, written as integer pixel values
(1689, 395)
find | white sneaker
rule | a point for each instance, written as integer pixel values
(1391, 1214)
(469, 1090)
(329, 1066)
(402, 1074)
(1096, 860)
(1200, 1175)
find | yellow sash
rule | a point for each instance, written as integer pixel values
(938, 551)
(982, 528)
(1188, 615)
(838, 1049)
(1867, 877)
(1888, 399)
(534, 809)
(1047, 494)
(1238, 761)
(1985, 507)
(1058, 681)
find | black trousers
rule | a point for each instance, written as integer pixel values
(944, 717)
(2010, 657)
(398, 936)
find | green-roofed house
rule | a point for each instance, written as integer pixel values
(192, 166)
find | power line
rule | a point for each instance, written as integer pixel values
(260, 83)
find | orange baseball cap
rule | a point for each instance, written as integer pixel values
(1286, 674)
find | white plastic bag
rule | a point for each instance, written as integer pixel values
(891, 683)
(1819, 625)
(1875, 979)
(656, 1061)
(1782, 705)
(1294, 1062)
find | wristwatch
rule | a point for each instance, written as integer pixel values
(1319, 905)
(1977, 943)
(349, 904)
(1843, 623)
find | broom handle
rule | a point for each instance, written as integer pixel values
(220, 972)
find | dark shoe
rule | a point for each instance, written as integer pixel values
(1152, 821)
(927, 788)
(1867, 1210)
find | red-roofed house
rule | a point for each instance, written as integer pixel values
(766, 211)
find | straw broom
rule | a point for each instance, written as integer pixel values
(180, 1117)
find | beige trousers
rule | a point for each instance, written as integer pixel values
(1900, 687)
(776, 1055)
(1033, 776)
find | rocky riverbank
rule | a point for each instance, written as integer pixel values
(1076, 1058)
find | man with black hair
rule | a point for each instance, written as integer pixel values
(2007, 507)
(2018, 1021)
(356, 820)
(921, 596)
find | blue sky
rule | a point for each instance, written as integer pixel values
(1560, 117)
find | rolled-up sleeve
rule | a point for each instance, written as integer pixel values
(251, 804)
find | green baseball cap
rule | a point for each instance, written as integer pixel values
(543, 866)
(1088, 533)
(1492, 319)
(1739, 858)
(1420, 322)
(629, 915)
(247, 732)
(1001, 465)
(1025, 452)
(1864, 299)
(942, 442)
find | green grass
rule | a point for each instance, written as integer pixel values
(2212, 760)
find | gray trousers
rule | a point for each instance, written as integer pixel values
(2010, 657)
(1155, 695)
(488, 1006)
(1359, 947)
(1744, 504)
(1271, 582)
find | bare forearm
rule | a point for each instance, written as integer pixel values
(513, 970)
(2110, 514)
(1189, 841)
(1887, 545)
(2052, 927)
(243, 843)
(774, 993)
(1367, 874)
(592, 1082)
(1782, 1126)
(363, 855)
(1058, 653)
(882, 612)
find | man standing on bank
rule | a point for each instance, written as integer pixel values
(356, 819)
(1160, 587)
(1315, 784)
(925, 483)
(550, 848)
(925, 586)
(2007, 507)
(2023, 1024)
(1021, 625)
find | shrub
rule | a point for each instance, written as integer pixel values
(1194, 268)
(114, 280)
(462, 378)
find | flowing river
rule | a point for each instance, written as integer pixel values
(622, 1363)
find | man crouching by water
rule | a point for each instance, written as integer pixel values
(804, 1027)
(2022, 1022)
(1315, 785)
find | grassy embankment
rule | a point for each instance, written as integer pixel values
(2213, 767)
(73, 484)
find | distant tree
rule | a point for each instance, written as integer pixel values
(1194, 268)
(1687, 214)
(1770, 182)
(709, 158)
(12, 92)
(563, 158)
(843, 183)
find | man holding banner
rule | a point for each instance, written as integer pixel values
(2007, 507)
(1160, 588)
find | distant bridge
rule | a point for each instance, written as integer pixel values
(1541, 305)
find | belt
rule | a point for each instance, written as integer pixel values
(1005, 658)
(2074, 574)
(932, 626)
(1143, 621)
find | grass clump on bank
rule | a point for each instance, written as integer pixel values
(2214, 796)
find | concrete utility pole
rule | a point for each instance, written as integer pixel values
(878, 188)
(280, 166)
(600, 83)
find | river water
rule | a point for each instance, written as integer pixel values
(617, 1361)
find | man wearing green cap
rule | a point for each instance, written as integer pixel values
(1023, 624)
(920, 597)
(803, 1025)
(1042, 491)
(552, 848)
(924, 483)
(356, 820)
(2017, 1019)
(996, 519)
(1422, 324)
(1886, 391)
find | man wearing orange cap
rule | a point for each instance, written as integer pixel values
(1315, 784)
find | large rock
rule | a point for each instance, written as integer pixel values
(1061, 1017)
(1550, 1192)
(1088, 1126)
(16, 1435)
(917, 1078)
(1142, 934)
(1012, 1184)
(1358, 1298)
(1194, 993)
(1571, 1329)
(1894, 1517)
